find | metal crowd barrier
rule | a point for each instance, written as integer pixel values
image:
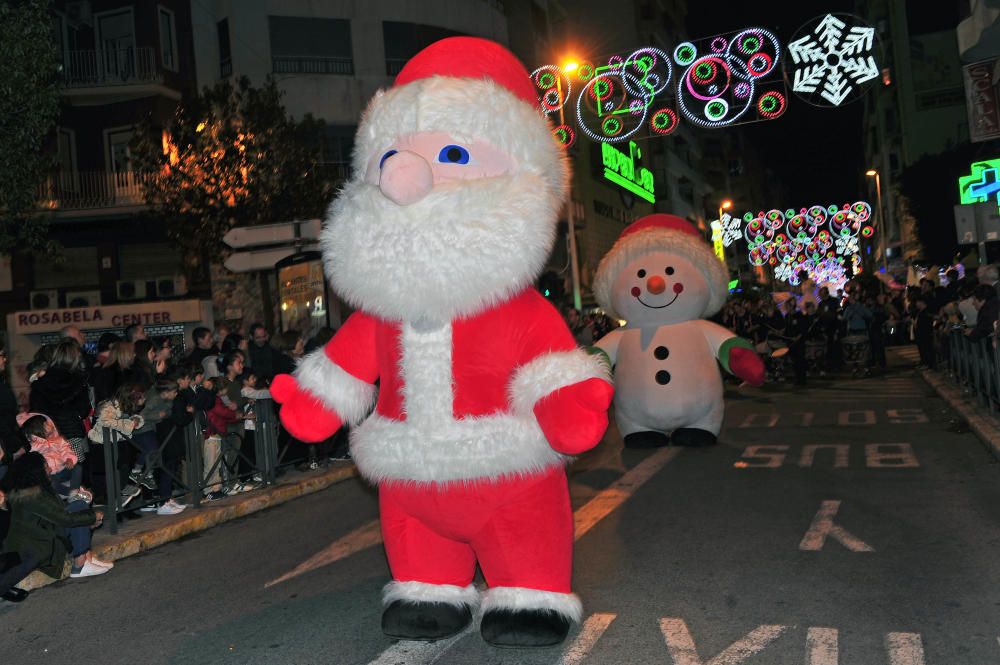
(191, 485)
(973, 364)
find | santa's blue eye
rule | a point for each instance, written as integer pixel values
(387, 155)
(453, 154)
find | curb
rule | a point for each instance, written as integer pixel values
(194, 520)
(985, 427)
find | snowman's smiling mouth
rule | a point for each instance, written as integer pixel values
(676, 296)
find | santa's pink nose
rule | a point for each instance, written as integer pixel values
(406, 178)
(656, 285)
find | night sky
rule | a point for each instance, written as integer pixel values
(817, 152)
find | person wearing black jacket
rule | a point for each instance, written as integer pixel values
(985, 300)
(797, 329)
(62, 394)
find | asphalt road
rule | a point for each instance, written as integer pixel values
(853, 522)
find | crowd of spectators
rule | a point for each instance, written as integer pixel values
(140, 393)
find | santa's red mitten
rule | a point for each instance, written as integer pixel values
(304, 416)
(739, 358)
(575, 417)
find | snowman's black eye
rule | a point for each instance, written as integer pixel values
(669, 270)
(641, 273)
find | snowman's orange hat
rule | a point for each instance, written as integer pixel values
(661, 232)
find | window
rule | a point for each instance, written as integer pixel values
(307, 45)
(225, 54)
(168, 39)
(336, 146)
(404, 40)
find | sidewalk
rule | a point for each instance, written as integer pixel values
(152, 530)
(985, 425)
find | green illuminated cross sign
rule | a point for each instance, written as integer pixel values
(982, 184)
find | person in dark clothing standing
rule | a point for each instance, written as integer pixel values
(204, 346)
(924, 331)
(797, 329)
(264, 358)
(876, 331)
(10, 433)
(985, 300)
(828, 312)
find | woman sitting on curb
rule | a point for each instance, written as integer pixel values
(40, 523)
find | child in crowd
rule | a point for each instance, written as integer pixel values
(40, 523)
(62, 462)
(251, 393)
(159, 408)
(220, 416)
(120, 416)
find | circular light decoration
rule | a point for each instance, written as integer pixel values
(663, 122)
(554, 87)
(685, 53)
(832, 59)
(758, 255)
(616, 101)
(564, 135)
(867, 231)
(771, 104)
(862, 211)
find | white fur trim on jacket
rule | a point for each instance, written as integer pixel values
(546, 374)
(468, 109)
(421, 592)
(349, 397)
(519, 598)
(484, 448)
(655, 239)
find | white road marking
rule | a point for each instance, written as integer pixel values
(841, 452)
(849, 418)
(891, 456)
(419, 653)
(590, 632)
(822, 646)
(768, 457)
(610, 498)
(823, 526)
(751, 420)
(906, 416)
(682, 650)
(361, 538)
(905, 648)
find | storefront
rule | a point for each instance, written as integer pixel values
(28, 331)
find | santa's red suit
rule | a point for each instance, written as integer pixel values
(464, 468)
(482, 394)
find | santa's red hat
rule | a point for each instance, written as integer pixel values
(471, 88)
(667, 233)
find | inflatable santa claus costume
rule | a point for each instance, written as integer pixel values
(483, 396)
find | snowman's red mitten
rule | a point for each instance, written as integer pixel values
(575, 417)
(304, 416)
(738, 357)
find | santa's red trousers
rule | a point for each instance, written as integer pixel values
(519, 530)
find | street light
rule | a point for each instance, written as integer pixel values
(725, 205)
(569, 67)
(881, 216)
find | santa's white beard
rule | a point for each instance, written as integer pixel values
(469, 244)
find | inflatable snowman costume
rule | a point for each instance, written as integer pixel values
(662, 278)
(482, 393)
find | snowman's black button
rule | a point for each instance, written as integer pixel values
(663, 377)
(661, 352)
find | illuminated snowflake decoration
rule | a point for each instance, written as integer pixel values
(830, 63)
(784, 271)
(847, 245)
(731, 231)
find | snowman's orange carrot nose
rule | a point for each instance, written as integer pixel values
(656, 285)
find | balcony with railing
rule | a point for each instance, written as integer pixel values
(305, 64)
(122, 73)
(91, 190)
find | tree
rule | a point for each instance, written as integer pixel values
(230, 156)
(29, 106)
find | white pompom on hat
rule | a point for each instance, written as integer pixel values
(662, 233)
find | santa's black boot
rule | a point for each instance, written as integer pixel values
(518, 617)
(415, 620)
(646, 440)
(524, 628)
(692, 437)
